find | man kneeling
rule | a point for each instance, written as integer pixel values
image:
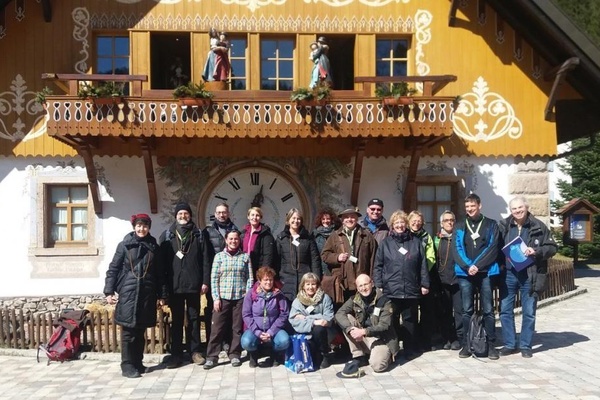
(366, 320)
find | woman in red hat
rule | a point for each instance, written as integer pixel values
(135, 283)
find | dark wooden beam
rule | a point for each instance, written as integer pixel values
(85, 151)
(47, 10)
(452, 14)
(560, 74)
(409, 200)
(359, 156)
(148, 145)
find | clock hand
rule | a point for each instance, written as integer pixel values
(259, 198)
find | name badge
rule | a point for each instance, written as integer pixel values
(475, 236)
(402, 250)
(376, 311)
(179, 254)
(295, 242)
(353, 259)
(310, 309)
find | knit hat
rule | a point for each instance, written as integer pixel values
(376, 201)
(143, 218)
(183, 206)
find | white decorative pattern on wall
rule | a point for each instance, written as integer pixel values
(484, 116)
(17, 101)
(81, 20)
(262, 23)
(423, 20)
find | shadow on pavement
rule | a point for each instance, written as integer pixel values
(586, 272)
(556, 340)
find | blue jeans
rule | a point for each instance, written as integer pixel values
(484, 284)
(512, 283)
(251, 342)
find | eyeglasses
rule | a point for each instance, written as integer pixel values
(448, 220)
(375, 209)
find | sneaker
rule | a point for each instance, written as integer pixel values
(198, 359)
(526, 353)
(209, 364)
(507, 351)
(174, 362)
(455, 345)
(493, 353)
(464, 352)
(235, 362)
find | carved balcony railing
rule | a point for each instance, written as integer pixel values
(250, 114)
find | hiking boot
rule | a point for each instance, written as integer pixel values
(209, 364)
(526, 353)
(326, 362)
(198, 359)
(174, 362)
(493, 352)
(464, 352)
(507, 351)
(236, 362)
(129, 371)
(253, 359)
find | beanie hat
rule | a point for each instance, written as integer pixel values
(377, 202)
(183, 206)
(143, 218)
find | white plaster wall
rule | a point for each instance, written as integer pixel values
(129, 194)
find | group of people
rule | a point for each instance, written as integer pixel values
(375, 284)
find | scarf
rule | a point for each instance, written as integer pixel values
(308, 301)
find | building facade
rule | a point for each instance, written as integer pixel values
(494, 96)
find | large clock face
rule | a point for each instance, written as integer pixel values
(245, 187)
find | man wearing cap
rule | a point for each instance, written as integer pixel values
(349, 251)
(186, 258)
(374, 220)
(366, 320)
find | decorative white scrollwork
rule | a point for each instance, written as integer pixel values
(423, 20)
(483, 115)
(81, 20)
(16, 101)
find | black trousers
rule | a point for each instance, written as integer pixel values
(451, 321)
(132, 348)
(179, 304)
(408, 309)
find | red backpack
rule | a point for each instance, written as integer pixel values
(65, 340)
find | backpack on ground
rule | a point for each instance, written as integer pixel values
(476, 339)
(65, 340)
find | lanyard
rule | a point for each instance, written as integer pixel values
(476, 231)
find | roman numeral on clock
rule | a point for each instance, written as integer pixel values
(287, 197)
(254, 178)
(221, 197)
(233, 182)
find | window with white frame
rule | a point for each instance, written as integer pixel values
(68, 215)
(276, 64)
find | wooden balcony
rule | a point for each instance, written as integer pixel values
(246, 114)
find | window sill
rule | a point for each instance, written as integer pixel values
(63, 251)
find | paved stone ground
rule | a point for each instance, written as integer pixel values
(566, 365)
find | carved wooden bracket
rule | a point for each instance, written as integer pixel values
(559, 74)
(359, 156)
(147, 145)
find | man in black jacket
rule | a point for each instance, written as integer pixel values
(215, 233)
(186, 259)
(529, 281)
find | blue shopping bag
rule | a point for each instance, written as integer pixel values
(298, 358)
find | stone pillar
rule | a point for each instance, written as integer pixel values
(531, 180)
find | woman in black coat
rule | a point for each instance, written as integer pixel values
(401, 271)
(298, 254)
(134, 282)
(257, 240)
